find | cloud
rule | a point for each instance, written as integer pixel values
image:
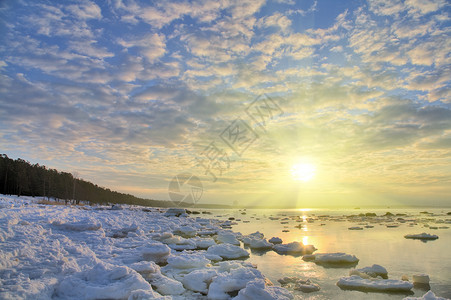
(86, 10)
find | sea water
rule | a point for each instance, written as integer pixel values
(382, 245)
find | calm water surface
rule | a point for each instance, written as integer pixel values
(379, 245)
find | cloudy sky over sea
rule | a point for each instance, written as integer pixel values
(129, 94)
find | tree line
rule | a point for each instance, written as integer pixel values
(20, 177)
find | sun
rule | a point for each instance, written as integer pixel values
(303, 171)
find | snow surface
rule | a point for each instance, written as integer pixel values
(99, 252)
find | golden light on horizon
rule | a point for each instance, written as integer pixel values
(303, 171)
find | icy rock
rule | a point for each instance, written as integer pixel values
(294, 248)
(275, 240)
(234, 281)
(428, 296)
(88, 224)
(421, 236)
(257, 289)
(156, 252)
(175, 212)
(228, 251)
(199, 280)
(227, 238)
(102, 282)
(420, 279)
(187, 261)
(335, 259)
(374, 285)
(147, 295)
(374, 271)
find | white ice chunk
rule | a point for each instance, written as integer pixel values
(374, 271)
(428, 296)
(231, 282)
(227, 238)
(294, 248)
(335, 258)
(186, 231)
(188, 261)
(257, 289)
(374, 285)
(167, 286)
(275, 240)
(146, 268)
(199, 280)
(228, 251)
(156, 252)
(203, 243)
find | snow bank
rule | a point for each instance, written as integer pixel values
(228, 251)
(374, 285)
(294, 248)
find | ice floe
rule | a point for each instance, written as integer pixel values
(294, 248)
(373, 271)
(421, 236)
(228, 251)
(257, 289)
(374, 285)
(332, 259)
(428, 296)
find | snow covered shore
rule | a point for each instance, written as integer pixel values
(82, 252)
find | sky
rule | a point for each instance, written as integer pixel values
(234, 93)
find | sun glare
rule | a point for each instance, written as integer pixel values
(303, 171)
